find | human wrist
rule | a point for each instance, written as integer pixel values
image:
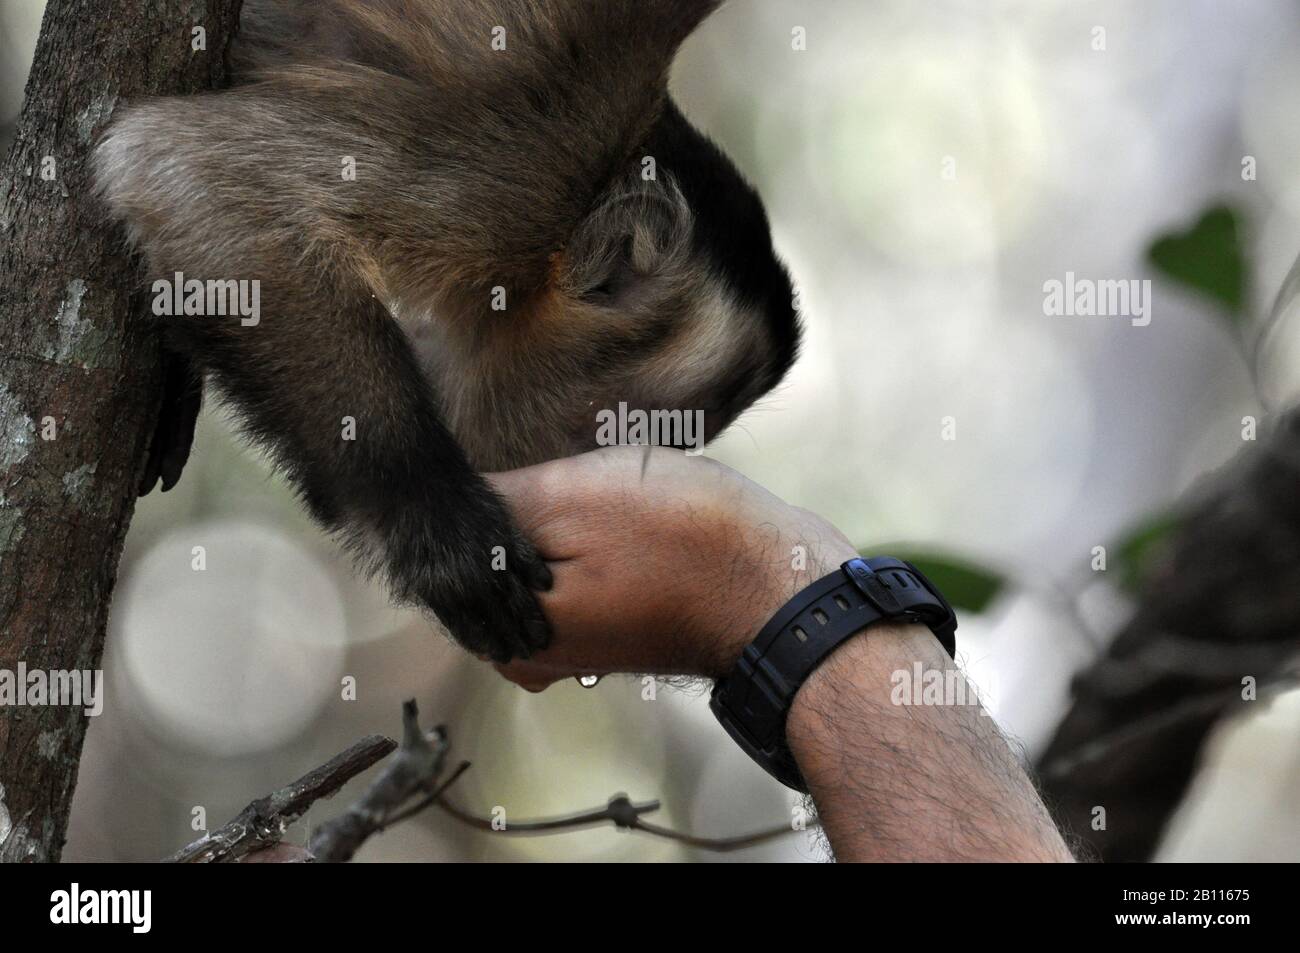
(867, 661)
(778, 570)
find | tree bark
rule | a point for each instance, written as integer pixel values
(79, 374)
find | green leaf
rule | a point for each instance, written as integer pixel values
(967, 587)
(1141, 550)
(1207, 258)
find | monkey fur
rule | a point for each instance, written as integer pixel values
(482, 175)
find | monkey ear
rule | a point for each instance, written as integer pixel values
(616, 278)
(633, 236)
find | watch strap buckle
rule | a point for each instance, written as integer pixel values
(874, 587)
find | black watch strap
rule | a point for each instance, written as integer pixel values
(753, 700)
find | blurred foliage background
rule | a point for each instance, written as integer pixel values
(927, 166)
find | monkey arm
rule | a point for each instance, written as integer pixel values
(328, 383)
(323, 377)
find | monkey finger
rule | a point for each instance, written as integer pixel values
(531, 566)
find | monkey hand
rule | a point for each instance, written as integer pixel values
(470, 565)
(182, 398)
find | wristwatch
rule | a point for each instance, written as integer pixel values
(753, 699)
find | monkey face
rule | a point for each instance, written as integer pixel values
(697, 312)
(576, 375)
(705, 355)
(668, 299)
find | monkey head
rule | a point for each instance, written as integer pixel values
(668, 296)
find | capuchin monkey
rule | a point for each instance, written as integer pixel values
(533, 233)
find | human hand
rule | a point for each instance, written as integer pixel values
(663, 563)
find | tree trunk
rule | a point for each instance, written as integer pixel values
(1224, 606)
(79, 376)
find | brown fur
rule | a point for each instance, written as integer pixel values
(476, 170)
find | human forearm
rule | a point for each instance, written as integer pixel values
(672, 564)
(911, 781)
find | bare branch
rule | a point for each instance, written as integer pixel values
(264, 821)
(620, 811)
(413, 770)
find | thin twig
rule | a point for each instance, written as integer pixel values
(421, 805)
(720, 845)
(617, 811)
(620, 811)
(413, 770)
(263, 822)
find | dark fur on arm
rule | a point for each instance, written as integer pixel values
(325, 348)
(473, 166)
